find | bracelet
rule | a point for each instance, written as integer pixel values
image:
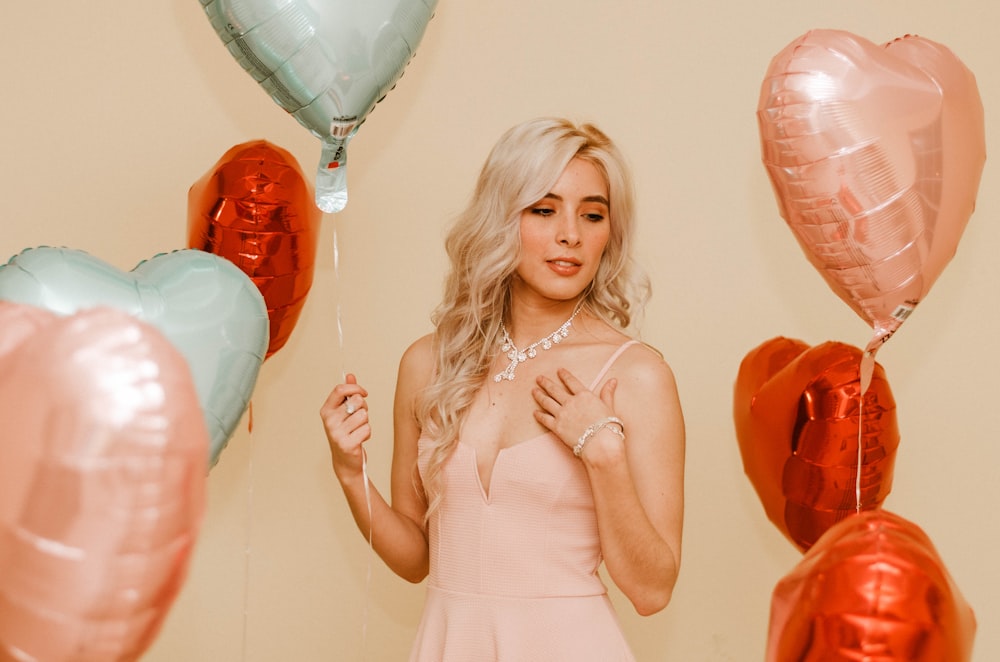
(595, 428)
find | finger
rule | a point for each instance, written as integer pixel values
(544, 400)
(608, 393)
(333, 400)
(341, 392)
(347, 428)
(547, 420)
(549, 387)
(573, 385)
(355, 403)
(351, 379)
(343, 398)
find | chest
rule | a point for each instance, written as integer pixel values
(501, 416)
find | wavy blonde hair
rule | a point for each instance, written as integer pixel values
(483, 245)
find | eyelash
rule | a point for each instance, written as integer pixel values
(548, 211)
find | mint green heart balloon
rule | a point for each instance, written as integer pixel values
(327, 62)
(204, 304)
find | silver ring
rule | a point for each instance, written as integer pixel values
(349, 406)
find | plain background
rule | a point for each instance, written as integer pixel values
(111, 110)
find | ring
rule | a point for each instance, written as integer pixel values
(349, 406)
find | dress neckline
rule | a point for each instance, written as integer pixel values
(486, 488)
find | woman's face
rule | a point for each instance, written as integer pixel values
(563, 235)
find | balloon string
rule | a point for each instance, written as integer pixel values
(364, 458)
(861, 425)
(247, 542)
(867, 369)
(371, 551)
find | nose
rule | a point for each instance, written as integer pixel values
(568, 234)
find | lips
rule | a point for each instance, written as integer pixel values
(564, 266)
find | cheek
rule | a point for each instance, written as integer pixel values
(531, 237)
(599, 241)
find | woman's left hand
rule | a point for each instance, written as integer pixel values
(567, 407)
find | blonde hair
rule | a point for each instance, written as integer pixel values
(483, 245)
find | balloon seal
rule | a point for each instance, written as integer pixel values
(343, 128)
(904, 310)
(331, 176)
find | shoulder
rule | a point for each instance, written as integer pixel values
(415, 369)
(647, 393)
(642, 368)
(417, 363)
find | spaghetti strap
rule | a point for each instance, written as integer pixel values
(611, 361)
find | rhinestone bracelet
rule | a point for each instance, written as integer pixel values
(595, 428)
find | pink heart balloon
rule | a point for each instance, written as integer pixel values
(103, 461)
(875, 154)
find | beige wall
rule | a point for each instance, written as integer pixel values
(113, 109)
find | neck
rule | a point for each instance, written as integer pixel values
(529, 322)
(518, 354)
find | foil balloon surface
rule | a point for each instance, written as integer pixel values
(102, 483)
(209, 309)
(800, 419)
(875, 155)
(872, 588)
(255, 208)
(326, 62)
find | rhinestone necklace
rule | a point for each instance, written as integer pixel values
(518, 356)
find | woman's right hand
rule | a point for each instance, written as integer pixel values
(345, 419)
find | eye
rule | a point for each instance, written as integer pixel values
(594, 217)
(542, 211)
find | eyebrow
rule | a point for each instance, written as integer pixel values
(589, 198)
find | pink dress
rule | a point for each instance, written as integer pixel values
(513, 572)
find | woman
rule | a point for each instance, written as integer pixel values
(533, 437)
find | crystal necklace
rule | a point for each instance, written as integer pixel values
(518, 356)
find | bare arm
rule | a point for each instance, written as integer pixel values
(397, 530)
(638, 481)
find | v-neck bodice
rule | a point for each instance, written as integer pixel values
(515, 568)
(508, 451)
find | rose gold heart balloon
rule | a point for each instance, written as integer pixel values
(103, 463)
(797, 411)
(19, 322)
(872, 588)
(255, 208)
(875, 154)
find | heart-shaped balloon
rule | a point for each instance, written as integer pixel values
(255, 209)
(872, 588)
(797, 411)
(875, 155)
(327, 62)
(102, 483)
(209, 309)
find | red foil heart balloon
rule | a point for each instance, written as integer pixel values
(255, 208)
(797, 411)
(103, 463)
(872, 588)
(875, 154)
